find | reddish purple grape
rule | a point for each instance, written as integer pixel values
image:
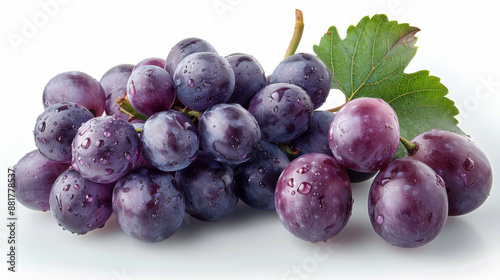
(184, 48)
(313, 197)
(148, 204)
(56, 127)
(114, 83)
(35, 175)
(364, 134)
(249, 78)
(160, 62)
(407, 204)
(463, 166)
(105, 149)
(150, 89)
(75, 87)
(80, 205)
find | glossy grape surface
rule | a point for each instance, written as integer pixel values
(184, 48)
(114, 83)
(249, 77)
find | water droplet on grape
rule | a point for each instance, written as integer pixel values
(86, 143)
(154, 216)
(440, 181)
(103, 161)
(276, 160)
(329, 228)
(304, 188)
(385, 181)
(190, 83)
(295, 224)
(109, 171)
(100, 143)
(59, 202)
(292, 193)
(89, 225)
(465, 180)
(107, 134)
(59, 139)
(380, 219)
(66, 188)
(468, 164)
(127, 156)
(290, 183)
(89, 198)
(262, 169)
(41, 127)
(431, 217)
(84, 129)
(302, 170)
(76, 186)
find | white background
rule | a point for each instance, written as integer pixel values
(458, 43)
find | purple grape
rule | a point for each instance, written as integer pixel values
(150, 89)
(315, 139)
(256, 179)
(184, 48)
(160, 62)
(105, 148)
(282, 110)
(80, 205)
(464, 168)
(306, 71)
(169, 140)
(364, 134)
(249, 78)
(114, 83)
(35, 175)
(407, 203)
(75, 87)
(148, 204)
(209, 188)
(229, 133)
(203, 79)
(56, 127)
(313, 197)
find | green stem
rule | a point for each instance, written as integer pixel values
(288, 150)
(411, 147)
(127, 108)
(297, 33)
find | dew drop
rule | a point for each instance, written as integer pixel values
(290, 183)
(41, 127)
(465, 179)
(109, 171)
(295, 224)
(127, 156)
(468, 164)
(76, 186)
(84, 129)
(380, 219)
(304, 188)
(89, 198)
(59, 202)
(86, 143)
(329, 228)
(190, 83)
(154, 216)
(66, 188)
(59, 139)
(292, 193)
(385, 181)
(103, 161)
(302, 170)
(440, 181)
(317, 173)
(107, 134)
(276, 160)
(262, 169)
(100, 143)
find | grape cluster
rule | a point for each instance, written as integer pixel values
(197, 132)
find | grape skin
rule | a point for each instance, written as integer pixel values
(249, 78)
(464, 168)
(105, 149)
(80, 205)
(35, 175)
(407, 204)
(313, 197)
(148, 204)
(76, 87)
(184, 48)
(364, 134)
(156, 61)
(169, 140)
(56, 127)
(114, 83)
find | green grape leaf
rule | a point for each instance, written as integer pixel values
(370, 62)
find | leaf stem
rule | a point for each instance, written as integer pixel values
(297, 33)
(411, 147)
(128, 109)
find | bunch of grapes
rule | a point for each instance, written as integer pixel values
(196, 132)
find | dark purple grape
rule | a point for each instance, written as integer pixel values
(148, 204)
(169, 140)
(160, 62)
(184, 48)
(203, 79)
(209, 188)
(407, 203)
(150, 89)
(35, 175)
(463, 166)
(315, 139)
(313, 197)
(306, 71)
(256, 179)
(56, 127)
(114, 83)
(80, 205)
(249, 78)
(229, 133)
(282, 110)
(105, 148)
(364, 134)
(75, 87)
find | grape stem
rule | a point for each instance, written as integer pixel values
(411, 147)
(127, 108)
(297, 33)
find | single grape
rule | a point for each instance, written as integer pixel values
(203, 79)
(56, 127)
(282, 110)
(184, 48)
(229, 133)
(105, 149)
(306, 71)
(116, 77)
(80, 205)
(150, 89)
(209, 188)
(160, 62)
(407, 203)
(364, 135)
(76, 87)
(256, 179)
(249, 78)
(169, 140)
(35, 175)
(464, 167)
(148, 204)
(313, 197)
